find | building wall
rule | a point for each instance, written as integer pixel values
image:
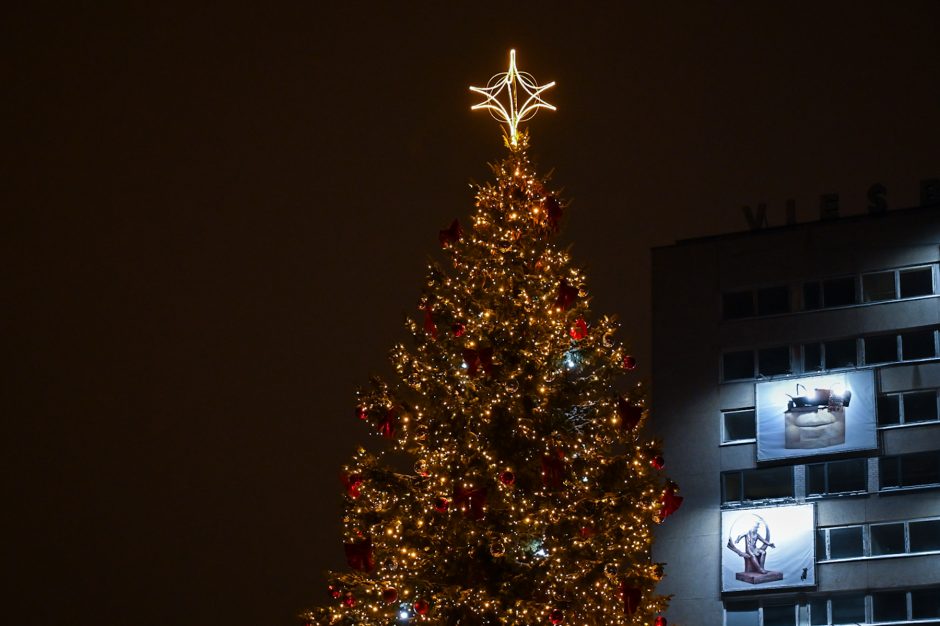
(688, 395)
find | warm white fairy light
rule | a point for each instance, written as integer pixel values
(510, 81)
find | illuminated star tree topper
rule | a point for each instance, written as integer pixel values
(511, 81)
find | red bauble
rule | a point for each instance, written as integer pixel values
(429, 326)
(660, 621)
(352, 482)
(361, 413)
(587, 532)
(359, 555)
(334, 591)
(507, 477)
(630, 596)
(629, 363)
(452, 235)
(422, 606)
(471, 500)
(579, 331)
(629, 414)
(349, 600)
(553, 469)
(390, 595)
(459, 329)
(567, 295)
(441, 505)
(388, 423)
(557, 616)
(658, 462)
(669, 502)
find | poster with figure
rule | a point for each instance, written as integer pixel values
(802, 417)
(768, 548)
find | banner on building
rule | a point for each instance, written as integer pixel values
(768, 548)
(801, 417)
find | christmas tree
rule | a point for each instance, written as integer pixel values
(528, 495)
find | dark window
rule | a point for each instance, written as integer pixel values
(845, 542)
(818, 612)
(737, 305)
(887, 539)
(887, 606)
(780, 615)
(836, 477)
(741, 614)
(773, 361)
(731, 487)
(738, 365)
(881, 349)
(910, 470)
(821, 546)
(925, 536)
(811, 299)
(839, 292)
(917, 345)
(889, 410)
(889, 474)
(774, 482)
(918, 282)
(812, 357)
(848, 609)
(840, 353)
(773, 300)
(925, 603)
(739, 425)
(877, 287)
(920, 406)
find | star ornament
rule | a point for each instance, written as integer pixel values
(512, 82)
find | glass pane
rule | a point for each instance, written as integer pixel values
(776, 482)
(738, 365)
(889, 411)
(925, 603)
(739, 425)
(811, 296)
(773, 300)
(839, 292)
(888, 475)
(845, 543)
(917, 282)
(737, 305)
(816, 479)
(848, 609)
(840, 353)
(922, 468)
(773, 361)
(812, 357)
(887, 539)
(847, 476)
(917, 345)
(818, 613)
(881, 349)
(877, 287)
(821, 545)
(925, 536)
(780, 615)
(920, 406)
(741, 614)
(731, 487)
(889, 605)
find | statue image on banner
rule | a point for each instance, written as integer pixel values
(751, 532)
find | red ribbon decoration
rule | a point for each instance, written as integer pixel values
(471, 500)
(669, 502)
(567, 295)
(579, 331)
(352, 483)
(450, 236)
(359, 555)
(629, 414)
(631, 598)
(553, 212)
(553, 469)
(429, 326)
(477, 359)
(388, 423)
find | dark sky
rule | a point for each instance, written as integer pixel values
(216, 217)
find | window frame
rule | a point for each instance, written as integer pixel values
(725, 441)
(828, 493)
(898, 459)
(902, 410)
(741, 500)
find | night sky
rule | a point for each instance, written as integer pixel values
(216, 218)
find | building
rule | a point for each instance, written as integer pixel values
(796, 386)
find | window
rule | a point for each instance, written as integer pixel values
(846, 543)
(925, 535)
(889, 409)
(773, 361)
(888, 606)
(908, 408)
(838, 291)
(819, 612)
(773, 300)
(811, 296)
(916, 282)
(917, 345)
(849, 476)
(839, 353)
(737, 305)
(887, 539)
(881, 349)
(757, 484)
(780, 615)
(739, 425)
(925, 603)
(812, 357)
(848, 609)
(909, 470)
(738, 365)
(878, 287)
(742, 614)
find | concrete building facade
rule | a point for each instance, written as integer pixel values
(797, 370)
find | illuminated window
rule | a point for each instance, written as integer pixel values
(738, 425)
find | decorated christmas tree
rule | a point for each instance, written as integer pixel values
(528, 494)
